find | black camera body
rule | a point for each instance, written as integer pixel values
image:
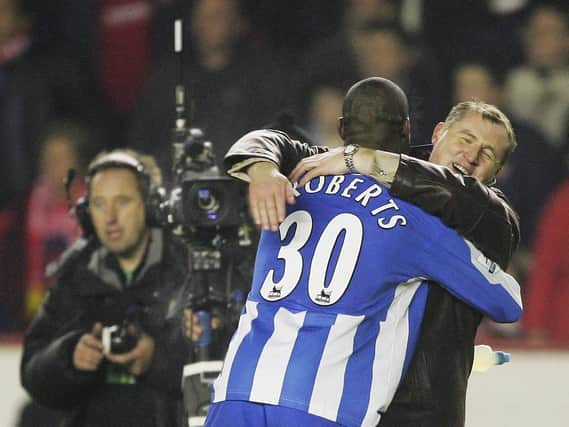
(208, 212)
(213, 201)
(209, 201)
(119, 339)
(200, 197)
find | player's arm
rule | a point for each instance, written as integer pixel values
(462, 269)
(255, 158)
(481, 214)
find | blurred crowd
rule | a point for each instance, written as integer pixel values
(80, 76)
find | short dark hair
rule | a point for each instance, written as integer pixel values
(374, 113)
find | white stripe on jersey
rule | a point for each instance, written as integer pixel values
(494, 273)
(273, 361)
(220, 384)
(329, 381)
(390, 347)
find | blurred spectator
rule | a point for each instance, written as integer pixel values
(50, 228)
(291, 26)
(337, 55)
(124, 50)
(25, 107)
(113, 43)
(538, 91)
(376, 48)
(359, 13)
(325, 108)
(546, 318)
(459, 30)
(298, 25)
(25, 104)
(534, 169)
(387, 52)
(231, 85)
(37, 84)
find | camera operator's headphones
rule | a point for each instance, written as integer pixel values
(152, 196)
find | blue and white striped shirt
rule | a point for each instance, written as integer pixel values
(337, 300)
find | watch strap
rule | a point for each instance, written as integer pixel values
(349, 151)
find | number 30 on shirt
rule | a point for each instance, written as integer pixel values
(318, 291)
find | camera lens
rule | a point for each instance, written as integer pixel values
(206, 200)
(211, 202)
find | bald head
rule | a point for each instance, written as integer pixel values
(376, 115)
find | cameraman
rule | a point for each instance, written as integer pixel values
(126, 273)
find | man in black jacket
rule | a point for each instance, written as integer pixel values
(472, 144)
(126, 273)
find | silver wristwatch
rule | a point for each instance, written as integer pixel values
(349, 151)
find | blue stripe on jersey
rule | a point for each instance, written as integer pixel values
(304, 361)
(356, 394)
(247, 357)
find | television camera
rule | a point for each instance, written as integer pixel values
(207, 211)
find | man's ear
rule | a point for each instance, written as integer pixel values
(405, 135)
(406, 129)
(341, 130)
(437, 132)
(492, 181)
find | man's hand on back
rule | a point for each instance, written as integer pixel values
(329, 163)
(269, 191)
(332, 163)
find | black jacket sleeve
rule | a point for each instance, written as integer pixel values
(46, 368)
(270, 145)
(481, 214)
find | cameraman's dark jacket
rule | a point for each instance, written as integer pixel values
(433, 391)
(89, 289)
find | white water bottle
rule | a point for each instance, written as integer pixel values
(485, 358)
